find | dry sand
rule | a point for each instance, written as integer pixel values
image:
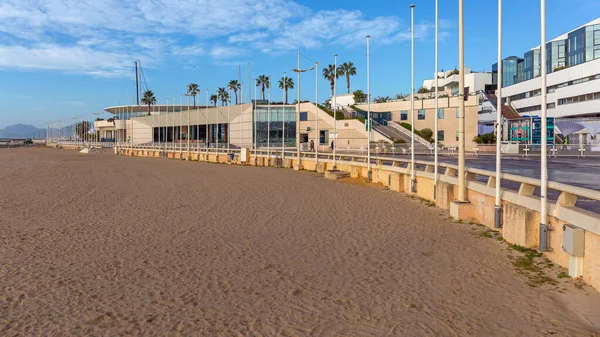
(110, 245)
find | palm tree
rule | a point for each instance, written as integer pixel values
(264, 82)
(382, 99)
(286, 83)
(149, 99)
(192, 90)
(331, 74)
(214, 99)
(235, 86)
(223, 96)
(348, 69)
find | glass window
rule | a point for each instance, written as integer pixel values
(440, 135)
(421, 114)
(404, 115)
(303, 116)
(551, 105)
(440, 113)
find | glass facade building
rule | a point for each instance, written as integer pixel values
(272, 122)
(510, 67)
(592, 42)
(581, 45)
(556, 55)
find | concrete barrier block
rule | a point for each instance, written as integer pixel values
(444, 195)
(520, 225)
(591, 260)
(336, 174)
(464, 211)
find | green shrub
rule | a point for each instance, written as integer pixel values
(426, 133)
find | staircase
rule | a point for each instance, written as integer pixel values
(407, 134)
(395, 134)
(507, 110)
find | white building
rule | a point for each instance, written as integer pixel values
(448, 82)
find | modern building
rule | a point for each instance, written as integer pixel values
(573, 68)
(239, 125)
(448, 82)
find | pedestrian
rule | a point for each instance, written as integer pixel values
(566, 143)
(332, 145)
(312, 146)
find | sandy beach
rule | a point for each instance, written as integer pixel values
(106, 245)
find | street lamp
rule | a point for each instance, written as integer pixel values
(334, 109)
(298, 70)
(369, 123)
(497, 207)
(412, 99)
(543, 245)
(462, 195)
(436, 107)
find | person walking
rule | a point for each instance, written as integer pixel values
(312, 146)
(332, 145)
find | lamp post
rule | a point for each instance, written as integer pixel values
(543, 245)
(461, 106)
(497, 207)
(229, 125)
(412, 99)
(206, 125)
(298, 70)
(369, 125)
(283, 119)
(317, 136)
(334, 108)
(268, 119)
(435, 131)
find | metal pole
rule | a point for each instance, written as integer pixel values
(229, 125)
(544, 156)
(173, 124)
(299, 164)
(497, 207)
(334, 108)
(197, 125)
(206, 125)
(217, 135)
(242, 116)
(412, 99)
(461, 105)
(187, 132)
(436, 127)
(268, 119)
(317, 135)
(283, 119)
(369, 108)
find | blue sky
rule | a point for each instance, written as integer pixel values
(58, 60)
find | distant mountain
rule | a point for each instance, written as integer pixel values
(22, 131)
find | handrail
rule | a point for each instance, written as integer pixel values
(394, 161)
(408, 133)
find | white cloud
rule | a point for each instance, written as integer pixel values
(103, 37)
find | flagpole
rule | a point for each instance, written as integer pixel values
(437, 117)
(497, 207)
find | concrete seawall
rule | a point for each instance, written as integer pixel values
(520, 208)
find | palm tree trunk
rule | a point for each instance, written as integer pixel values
(236, 97)
(262, 91)
(286, 96)
(148, 109)
(332, 88)
(348, 82)
(194, 101)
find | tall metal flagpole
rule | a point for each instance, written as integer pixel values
(412, 99)
(268, 119)
(217, 134)
(283, 119)
(197, 123)
(167, 126)
(544, 157)
(173, 124)
(436, 127)
(229, 125)
(369, 125)
(317, 136)
(206, 125)
(497, 207)
(299, 164)
(334, 109)
(187, 131)
(462, 192)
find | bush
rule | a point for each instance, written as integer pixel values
(399, 141)
(487, 138)
(426, 133)
(406, 125)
